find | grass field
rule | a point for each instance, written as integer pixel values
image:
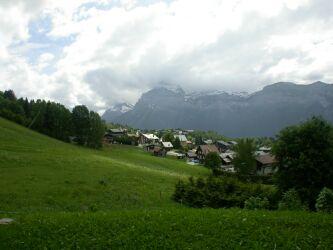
(170, 229)
(38, 173)
(63, 196)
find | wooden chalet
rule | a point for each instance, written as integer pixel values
(266, 164)
(148, 139)
(222, 146)
(203, 150)
(167, 145)
(183, 140)
(113, 133)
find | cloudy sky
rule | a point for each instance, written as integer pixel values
(99, 52)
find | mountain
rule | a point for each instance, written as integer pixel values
(262, 113)
(117, 110)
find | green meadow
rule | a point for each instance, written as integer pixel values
(39, 173)
(63, 196)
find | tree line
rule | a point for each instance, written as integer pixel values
(54, 119)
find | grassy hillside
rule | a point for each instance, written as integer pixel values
(39, 173)
(63, 196)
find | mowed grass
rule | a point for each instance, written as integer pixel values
(39, 173)
(66, 197)
(170, 229)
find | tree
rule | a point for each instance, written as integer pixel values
(198, 140)
(168, 137)
(10, 95)
(244, 161)
(176, 143)
(12, 110)
(57, 121)
(96, 132)
(81, 123)
(305, 159)
(213, 161)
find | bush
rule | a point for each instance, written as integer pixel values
(291, 201)
(219, 192)
(126, 140)
(256, 203)
(325, 201)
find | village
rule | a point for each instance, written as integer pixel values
(182, 145)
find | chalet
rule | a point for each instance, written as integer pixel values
(112, 134)
(192, 156)
(148, 139)
(182, 138)
(266, 164)
(167, 145)
(222, 146)
(149, 147)
(159, 151)
(203, 150)
(134, 138)
(227, 157)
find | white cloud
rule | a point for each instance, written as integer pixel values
(121, 48)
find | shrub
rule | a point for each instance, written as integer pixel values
(325, 201)
(213, 161)
(219, 192)
(125, 139)
(256, 203)
(291, 201)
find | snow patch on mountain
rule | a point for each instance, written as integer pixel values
(121, 107)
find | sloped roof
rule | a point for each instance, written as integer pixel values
(227, 155)
(208, 149)
(266, 159)
(150, 136)
(227, 160)
(208, 141)
(223, 143)
(182, 138)
(116, 130)
(167, 144)
(264, 148)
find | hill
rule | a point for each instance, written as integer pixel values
(262, 113)
(39, 173)
(64, 196)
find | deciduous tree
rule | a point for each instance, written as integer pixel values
(244, 161)
(305, 158)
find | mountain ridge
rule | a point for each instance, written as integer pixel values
(262, 113)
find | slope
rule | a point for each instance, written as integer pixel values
(39, 173)
(52, 190)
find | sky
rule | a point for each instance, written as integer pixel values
(102, 52)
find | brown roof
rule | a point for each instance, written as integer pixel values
(208, 149)
(266, 159)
